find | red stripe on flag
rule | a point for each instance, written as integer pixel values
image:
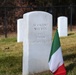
(60, 71)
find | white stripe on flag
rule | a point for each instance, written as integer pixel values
(56, 60)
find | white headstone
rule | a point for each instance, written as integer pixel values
(37, 42)
(62, 26)
(20, 29)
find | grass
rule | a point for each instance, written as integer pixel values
(11, 55)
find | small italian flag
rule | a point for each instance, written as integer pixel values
(56, 63)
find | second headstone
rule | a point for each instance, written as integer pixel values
(62, 26)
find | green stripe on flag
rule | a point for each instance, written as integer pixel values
(55, 44)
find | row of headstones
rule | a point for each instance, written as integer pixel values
(35, 31)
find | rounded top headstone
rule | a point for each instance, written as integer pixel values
(62, 26)
(20, 27)
(37, 41)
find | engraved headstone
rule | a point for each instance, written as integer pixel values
(62, 26)
(37, 41)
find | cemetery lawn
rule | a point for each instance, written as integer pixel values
(11, 55)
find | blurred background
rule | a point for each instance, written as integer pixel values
(11, 10)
